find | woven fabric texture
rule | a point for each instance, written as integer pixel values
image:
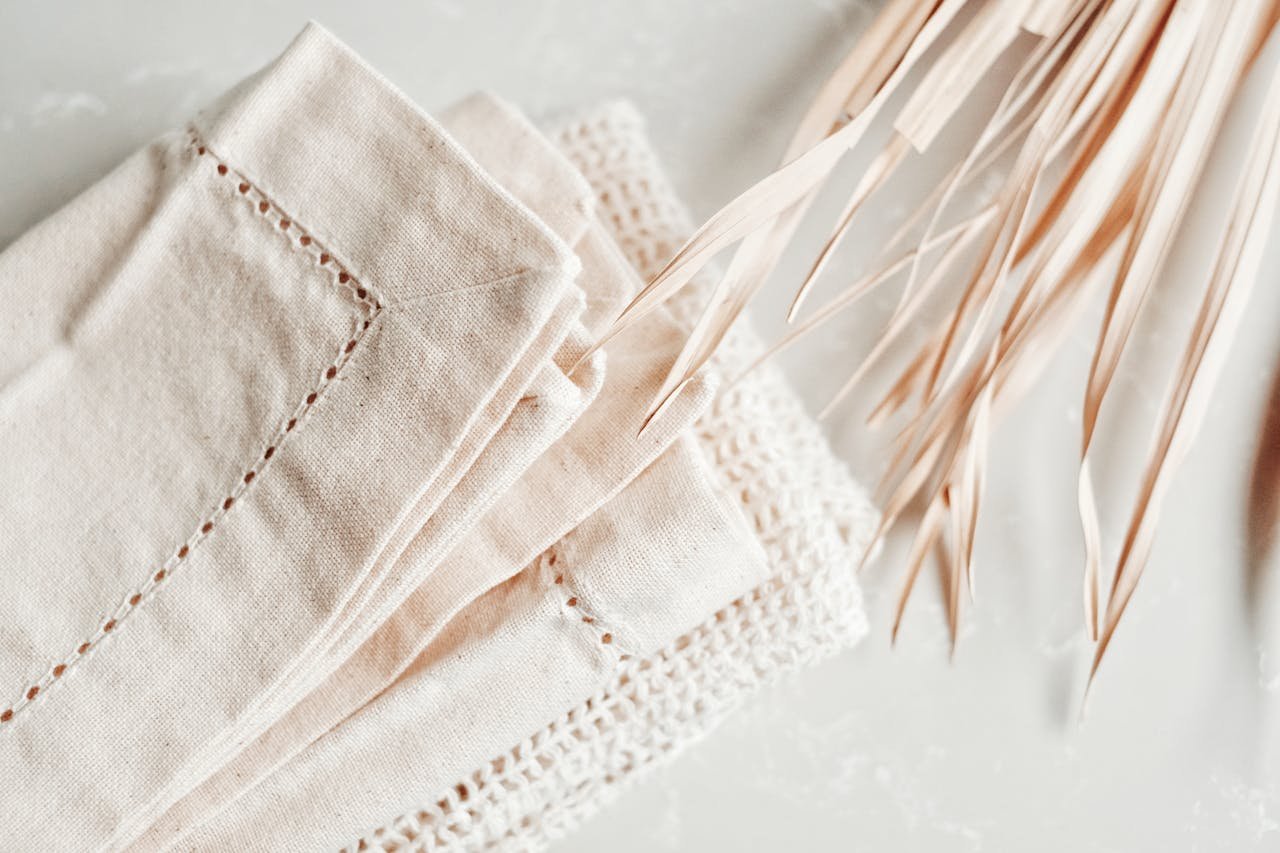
(813, 519)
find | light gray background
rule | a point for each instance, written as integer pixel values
(880, 749)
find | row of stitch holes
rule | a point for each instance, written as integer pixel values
(303, 240)
(343, 278)
(161, 574)
(572, 601)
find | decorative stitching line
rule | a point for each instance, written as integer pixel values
(572, 605)
(287, 226)
(371, 307)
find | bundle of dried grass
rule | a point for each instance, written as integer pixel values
(1108, 123)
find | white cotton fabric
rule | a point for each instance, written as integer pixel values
(329, 529)
(242, 370)
(583, 470)
(695, 620)
(813, 520)
(515, 658)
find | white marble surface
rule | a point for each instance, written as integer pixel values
(880, 749)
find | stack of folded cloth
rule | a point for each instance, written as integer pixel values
(325, 527)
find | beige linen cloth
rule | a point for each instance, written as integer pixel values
(772, 460)
(583, 470)
(452, 600)
(241, 371)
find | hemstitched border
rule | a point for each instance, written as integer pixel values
(370, 306)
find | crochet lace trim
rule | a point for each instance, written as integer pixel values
(812, 518)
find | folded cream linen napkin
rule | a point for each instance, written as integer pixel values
(727, 560)
(592, 462)
(242, 372)
(548, 404)
(434, 589)
(812, 519)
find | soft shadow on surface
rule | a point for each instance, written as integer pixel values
(1264, 502)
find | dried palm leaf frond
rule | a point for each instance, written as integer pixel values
(1107, 123)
